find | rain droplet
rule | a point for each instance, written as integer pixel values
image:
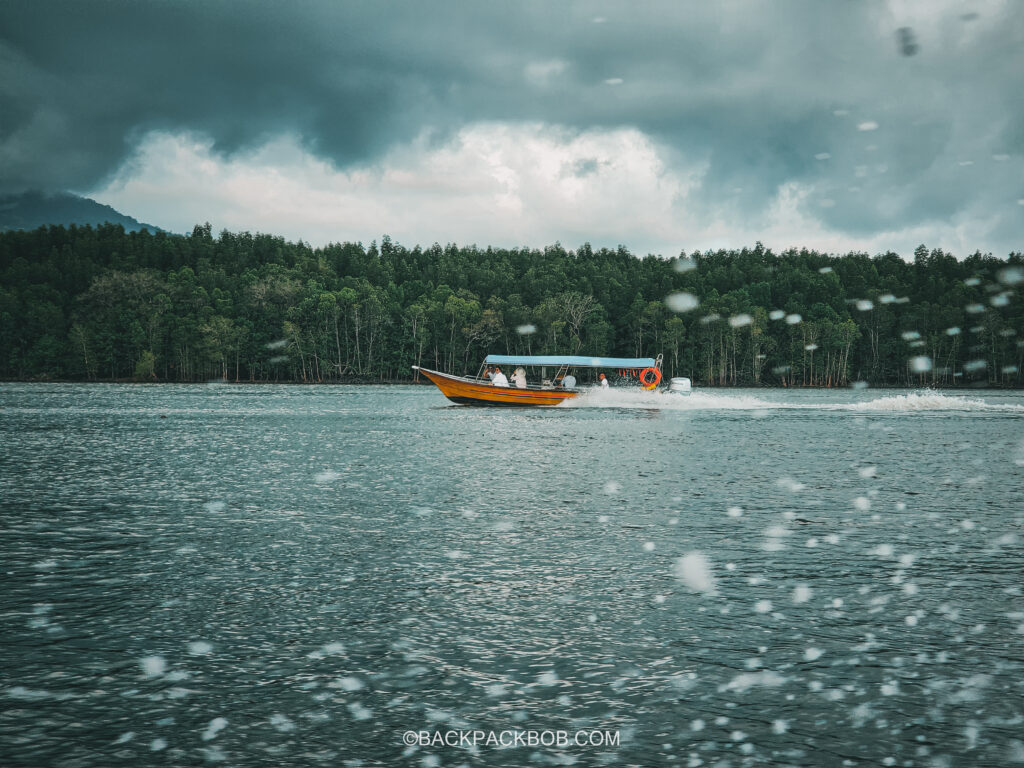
(682, 302)
(359, 712)
(907, 41)
(694, 570)
(216, 725)
(1011, 275)
(153, 666)
(282, 723)
(349, 684)
(802, 593)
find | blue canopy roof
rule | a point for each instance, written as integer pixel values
(573, 361)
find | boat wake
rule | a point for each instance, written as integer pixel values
(695, 401)
(929, 401)
(912, 402)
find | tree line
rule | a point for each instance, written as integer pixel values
(85, 303)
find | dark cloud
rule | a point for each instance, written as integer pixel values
(755, 92)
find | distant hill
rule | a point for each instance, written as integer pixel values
(30, 210)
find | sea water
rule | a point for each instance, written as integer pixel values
(355, 576)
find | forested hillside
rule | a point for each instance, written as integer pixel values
(29, 210)
(89, 303)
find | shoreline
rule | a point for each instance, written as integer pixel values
(410, 382)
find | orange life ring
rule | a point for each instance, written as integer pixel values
(655, 373)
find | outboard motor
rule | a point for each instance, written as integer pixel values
(680, 385)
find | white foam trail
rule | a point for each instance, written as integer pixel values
(696, 401)
(930, 401)
(709, 400)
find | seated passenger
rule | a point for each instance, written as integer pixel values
(499, 379)
(519, 378)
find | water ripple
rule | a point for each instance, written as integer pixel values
(296, 576)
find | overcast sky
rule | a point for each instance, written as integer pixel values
(663, 126)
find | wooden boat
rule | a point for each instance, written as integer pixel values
(537, 389)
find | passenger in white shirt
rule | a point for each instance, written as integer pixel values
(499, 379)
(604, 381)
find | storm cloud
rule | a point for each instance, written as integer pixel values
(866, 119)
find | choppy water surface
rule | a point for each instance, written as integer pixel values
(298, 576)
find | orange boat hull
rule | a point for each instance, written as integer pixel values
(468, 392)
